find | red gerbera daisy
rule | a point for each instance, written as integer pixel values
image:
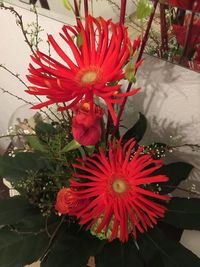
(118, 191)
(96, 69)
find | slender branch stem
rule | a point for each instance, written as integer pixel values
(122, 11)
(86, 7)
(76, 10)
(25, 101)
(14, 75)
(144, 41)
(20, 23)
(192, 146)
(52, 239)
(14, 135)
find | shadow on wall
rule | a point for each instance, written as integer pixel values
(166, 99)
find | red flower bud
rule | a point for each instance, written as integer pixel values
(86, 124)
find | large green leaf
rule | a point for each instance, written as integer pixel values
(15, 209)
(17, 250)
(15, 168)
(138, 130)
(116, 254)
(159, 251)
(72, 248)
(184, 213)
(177, 172)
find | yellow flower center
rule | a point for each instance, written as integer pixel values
(89, 77)
(119, 186)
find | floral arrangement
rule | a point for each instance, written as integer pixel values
(85, 189)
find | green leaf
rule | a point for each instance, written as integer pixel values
(72, 248)
(177, 172)
(130, 72)
(67, 4)
(144, 9)
(16, 168)
(15, 209)
(184, 213)
(71, 146)
(43, 128)
(159, 251)
(138, 130)
(35, 143)
(116, 254)
(17, 250)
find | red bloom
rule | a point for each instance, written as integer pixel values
(65, 201)
(181, 32)
(186, 4)
(96, 68)
(86, 124)
(117, 189)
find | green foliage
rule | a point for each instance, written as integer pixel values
(23, 239)
(36, 144)
(184, 213)
(18, 249)
(13, 169)
(72, 247)
(138, 130)
(13, 210)
(177, 172)
(159, 251)
(116, 254)
(71, 146)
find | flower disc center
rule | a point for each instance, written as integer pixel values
(119, 186)
(89, 77)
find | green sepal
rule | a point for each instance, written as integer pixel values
(71, 146)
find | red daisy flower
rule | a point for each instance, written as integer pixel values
(117, 188)
(181, 32)
(186, 4)
(96, 69)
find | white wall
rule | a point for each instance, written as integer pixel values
(170, 96)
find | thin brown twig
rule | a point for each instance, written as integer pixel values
(52, 239)
(192, 146)
(20, 23)
(25, 101)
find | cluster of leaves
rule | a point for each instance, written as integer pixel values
(28, 235)
(40, 172)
